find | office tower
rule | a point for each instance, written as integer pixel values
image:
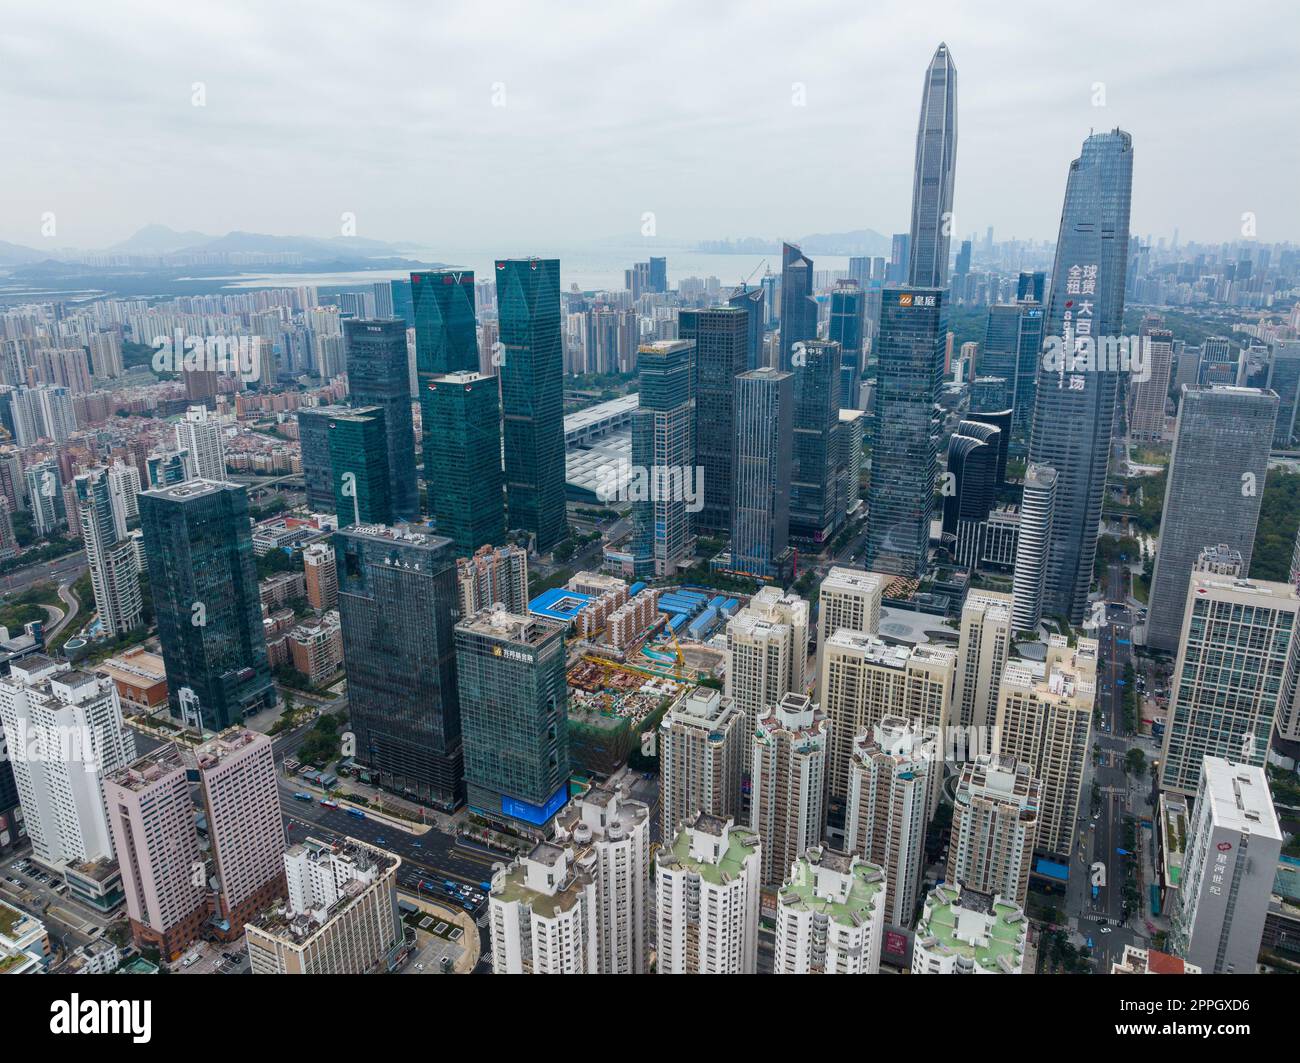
(964, 931)
(663, 460)
(1215, 486)
(963, 260)
(798, 305)
(64, 732)
(767, 656)
(532, 397)
(815, 513)
(1284, 379)
(1147, 397)
(164, 874)
(935, 174)
(1227, 876)
(200, 555)
(830, 915)
(1030, 286)
(700, 740)
(848, 326)
(860, 270)
(1013, 340)
(314, 444)
(240, 798)
(1074, 402)
(788, 779)
(983, 649)
(904, 457)
(514, 714)
(321, 576)
(994, 827)
(1044, 720)
(169, 467)
(1037, 506)
(1029, 344)
(1219, 362)
(991, 393)
(398, 604)
(971, 487)
(706, 898)
(340, 916)
(446, 336)
(462, 443)
(110, 555)
(543, 913)
(849, 599)
(848, 475)
(754, 302)
(378, 375)
(1229, 712)
(616, 830)
(761, 466)
(658, 275)
(893, 770)
(723, 342)
(358, 445)
(202, 436)
(900, 256)
(45, 493)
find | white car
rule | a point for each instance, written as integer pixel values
(1104, 930)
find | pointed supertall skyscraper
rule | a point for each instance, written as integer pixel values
(1074, 402)
(798, 305)
(936, 166)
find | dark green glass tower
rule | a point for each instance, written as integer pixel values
(379, 375)
(359, 466)
(199, 547)
(532, 396)
(462, 446)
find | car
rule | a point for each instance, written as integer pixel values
(419, 967)
(1104, 930)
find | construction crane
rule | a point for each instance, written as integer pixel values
(681, 661)
(744, 282)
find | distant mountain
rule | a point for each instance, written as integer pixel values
(159, 240)
(857, 242)
(17, 255)
(308, 246)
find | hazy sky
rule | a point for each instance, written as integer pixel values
(613, 109)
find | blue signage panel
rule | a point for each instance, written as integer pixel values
(535, 814)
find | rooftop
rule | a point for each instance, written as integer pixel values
(839, 885)
(741, 844)
(978, 926)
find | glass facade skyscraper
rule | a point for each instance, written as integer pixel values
(358, 444)
(848, 324)
(446, 336)
(663, 448)
(199, 549)
(815, 456)
(1013, 340)
(932, 182)
(379, 375)
(398, 605)
(314, 444)
(798, 307)
(514, 711)
(753, 302)
(722, 337)
(532, 396)
(904, 458)
(462, 441)
(1074, 403)
(760, 516)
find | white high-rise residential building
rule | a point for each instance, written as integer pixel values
(1227, 878)
(706, 896)
(1037, 509)
(700, 744)
(767, 644)
(849, 598)
(1045, 721)
(982, 652)
(124, 483)
(830, 915)
(341, 916)
(543, 913)
(891, 776)
(617, 830)
(964, 931)
(788, 782)
(203, 436)
(495, 575)
(64, 732)
(110, 555)
(863, 680)
(994, 827)
(1234, 677)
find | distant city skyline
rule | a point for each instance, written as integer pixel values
(298, 126)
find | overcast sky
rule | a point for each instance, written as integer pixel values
(613, 109)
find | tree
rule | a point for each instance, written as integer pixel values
(1135, 762)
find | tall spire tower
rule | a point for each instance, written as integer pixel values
(936, 167)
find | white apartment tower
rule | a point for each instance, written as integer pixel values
(544, 915)
(849, 598)
(982, 652)
(767, 644)
(994, 827)
(700, 742)
(203, 436)
(788, 782)
(830, 915)
(964, 931)
(706, 896)
(1037, 507)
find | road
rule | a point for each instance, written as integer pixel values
(64, 570)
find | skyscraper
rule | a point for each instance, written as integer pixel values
(1013, 340)
(904, 460)
(848, 324)
(753, 302)
(532, 396)
(202, 436)
(446, 339)
(493, 576)
(982, 652)
(994, 827)
(798, 307)
(1147, 397)
(314, 443)
(200, 554)
(398, 603)
(358, 444)
(514, 714)
(760, 514)
(788, 780)
(815, 514)
(1284, 379)
(723, 338)
(461, 413)
(1037, 505)
(700, 742)
(663, 459)
(114, 575)
(1215, 486)
(378, 375)
(849, 598)
(544, 916)
(830, 915)
(1075, 396)
(934, 175)
(971, 489)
